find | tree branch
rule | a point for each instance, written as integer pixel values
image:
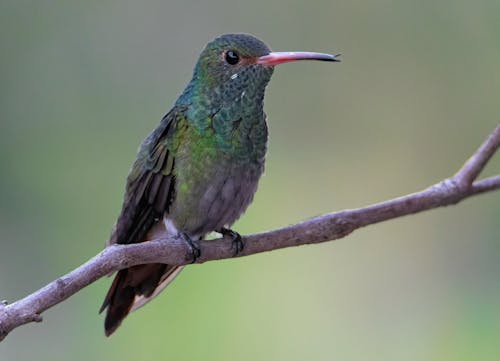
(173, 250)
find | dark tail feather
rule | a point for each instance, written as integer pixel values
(119, 300)
(134, 287)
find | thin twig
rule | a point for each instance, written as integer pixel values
(475, 164)
(173, 250)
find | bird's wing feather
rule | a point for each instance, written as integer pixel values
(150, 184)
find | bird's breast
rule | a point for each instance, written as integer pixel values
(216, 177)
(241, 136)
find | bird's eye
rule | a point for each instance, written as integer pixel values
(232, 57)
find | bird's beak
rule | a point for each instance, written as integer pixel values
(276, 58)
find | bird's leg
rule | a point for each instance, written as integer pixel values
(193, 245)
(237, 243)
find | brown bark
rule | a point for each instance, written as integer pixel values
(315, 230)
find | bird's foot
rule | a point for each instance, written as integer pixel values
(193, 245)
(237, 245)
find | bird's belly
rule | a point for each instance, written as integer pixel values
(215, 199)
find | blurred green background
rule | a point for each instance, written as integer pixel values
(82, 83)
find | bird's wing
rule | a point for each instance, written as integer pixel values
(150, 184)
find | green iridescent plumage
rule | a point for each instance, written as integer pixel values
(198, 170)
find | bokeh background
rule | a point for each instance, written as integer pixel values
(82, 83)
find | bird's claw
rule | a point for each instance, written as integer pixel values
(194, 247)
(237, 243)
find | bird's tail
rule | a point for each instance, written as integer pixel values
(134, 287)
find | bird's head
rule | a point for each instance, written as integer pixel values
(235, 63)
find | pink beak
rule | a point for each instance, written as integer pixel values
(276, 58)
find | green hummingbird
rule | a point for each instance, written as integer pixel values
(197, 172)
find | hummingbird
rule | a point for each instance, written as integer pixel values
(198, 171)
